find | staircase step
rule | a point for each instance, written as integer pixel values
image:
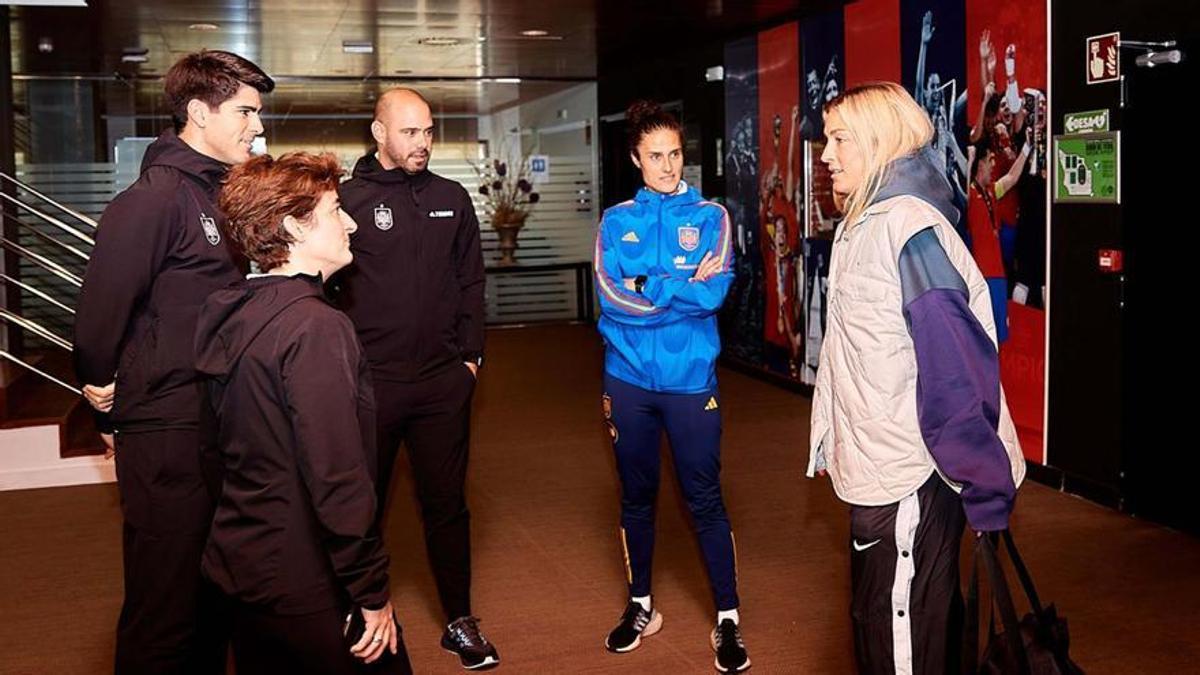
(30, 400)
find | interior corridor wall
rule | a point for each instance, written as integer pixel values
(946, 52)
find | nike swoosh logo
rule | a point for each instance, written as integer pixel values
(863, 547)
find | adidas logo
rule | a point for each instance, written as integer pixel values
(631, 237)
(712, 403)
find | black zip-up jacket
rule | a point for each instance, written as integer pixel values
(160, 250)
(415, 289)
(294, 528)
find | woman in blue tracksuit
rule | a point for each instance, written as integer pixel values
(663, 266)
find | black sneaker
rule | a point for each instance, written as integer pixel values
(636, 622)
(462, 637)
(731, 652)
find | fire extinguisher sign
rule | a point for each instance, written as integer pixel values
(1103, 58)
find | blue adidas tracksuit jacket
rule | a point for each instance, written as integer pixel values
(665, 338)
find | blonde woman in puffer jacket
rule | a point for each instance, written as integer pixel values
(909, 420)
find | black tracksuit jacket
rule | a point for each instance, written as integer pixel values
(159, 252)
(294, 531)
(415, 289)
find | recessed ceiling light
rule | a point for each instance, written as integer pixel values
(535, 33)
(358, 47)
(204, 27)
(504, 80)
(440, 41)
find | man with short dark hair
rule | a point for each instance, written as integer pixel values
(159, 253)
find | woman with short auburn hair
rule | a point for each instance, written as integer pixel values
(293, 544)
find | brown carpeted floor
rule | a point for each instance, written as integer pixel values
(549, 581)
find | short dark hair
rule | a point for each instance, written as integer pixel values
(985, 146)
(212, 76)
(992, 107)
(259, 193)
(645, 116)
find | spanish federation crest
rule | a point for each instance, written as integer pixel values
(383, 217)
(211, 233)
(689, 238)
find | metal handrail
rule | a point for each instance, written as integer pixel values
(51, 240)
(51, 219)
(36, 328)
(61, 207)
(48, 376)
(41, 294)
(43, 262)
(49, 265)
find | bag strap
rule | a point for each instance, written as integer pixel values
(1003, 601)
(1023, 575)
(1057, 649)
(970, 650)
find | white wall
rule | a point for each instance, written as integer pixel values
(29, 459)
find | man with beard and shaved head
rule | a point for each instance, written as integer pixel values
(415, 295)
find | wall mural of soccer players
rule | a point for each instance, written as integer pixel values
(933, 65)
(1006, 211)
(742, 316)
(823, 58)
(978, 67)
(780, 195)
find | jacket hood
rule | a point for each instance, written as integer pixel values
(234, 316)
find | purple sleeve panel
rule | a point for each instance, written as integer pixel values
(958, 386)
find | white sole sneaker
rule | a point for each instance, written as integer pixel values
(655, 625)
(712, 641)
(744, 667)
(487, 662)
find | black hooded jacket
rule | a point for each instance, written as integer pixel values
(415, 289)
(294, 528)
(159, 252)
